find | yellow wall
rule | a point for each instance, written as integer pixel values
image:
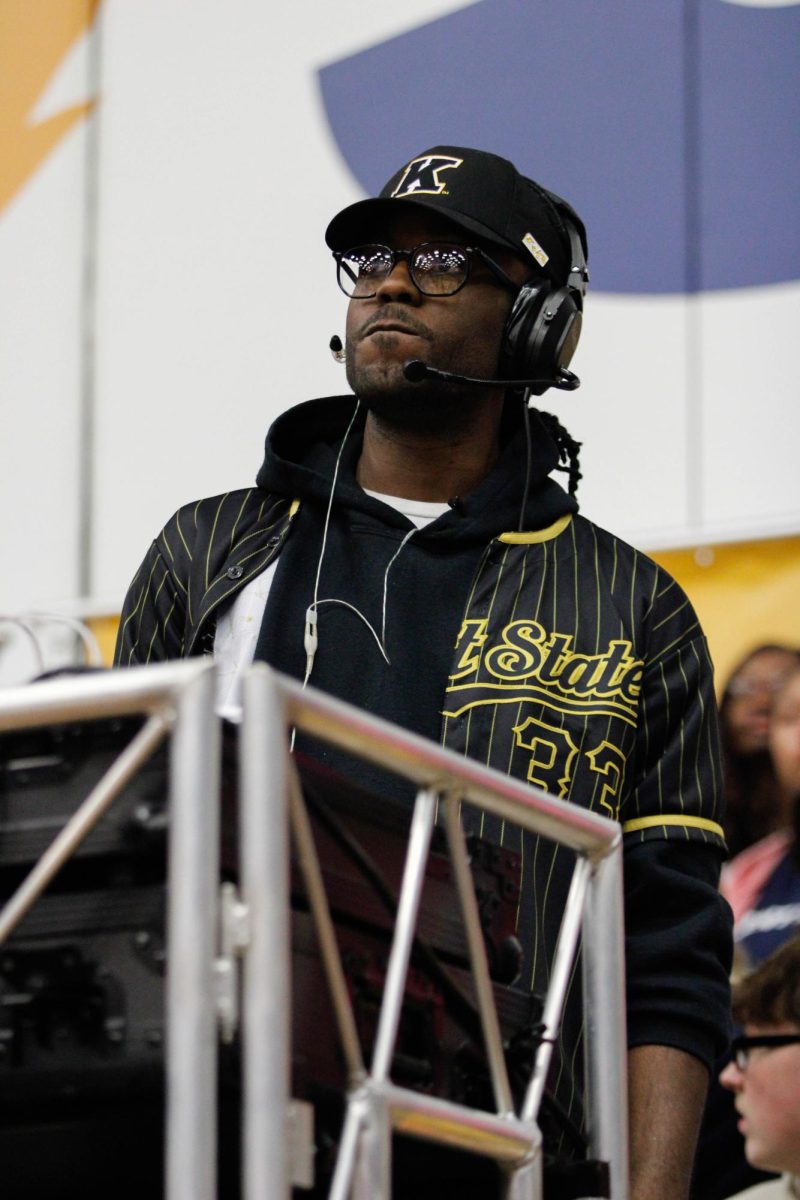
(105, 630)
(745, 593)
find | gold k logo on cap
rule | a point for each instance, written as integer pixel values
(422, 175)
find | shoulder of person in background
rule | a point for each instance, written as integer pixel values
(784, 1188)
(744, 877)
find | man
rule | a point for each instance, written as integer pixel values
(406, 550)
(764, 1072)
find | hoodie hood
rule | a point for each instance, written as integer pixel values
(300, 460)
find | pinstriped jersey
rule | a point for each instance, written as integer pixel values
(580, 666)
(204, 555)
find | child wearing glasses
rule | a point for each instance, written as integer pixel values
(764, 1072)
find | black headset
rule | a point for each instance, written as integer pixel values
(542, 330)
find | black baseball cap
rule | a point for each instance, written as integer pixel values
(480, 192)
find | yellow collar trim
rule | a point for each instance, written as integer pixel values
(537, 535)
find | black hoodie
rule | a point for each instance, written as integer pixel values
(428, 583)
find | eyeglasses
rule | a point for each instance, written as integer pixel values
(742, 1045)
(436, 268)
(739, 688)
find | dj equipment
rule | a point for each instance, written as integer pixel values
(82, 976)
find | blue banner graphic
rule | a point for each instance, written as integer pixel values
(671, 126)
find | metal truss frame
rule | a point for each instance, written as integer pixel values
(271, 802)
(209, 929)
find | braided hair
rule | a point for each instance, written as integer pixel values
(568, 451)
(568, 448)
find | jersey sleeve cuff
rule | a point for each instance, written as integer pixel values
(668, 826)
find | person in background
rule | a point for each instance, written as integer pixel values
(762, 884)
(764, 1072)
(750, 786)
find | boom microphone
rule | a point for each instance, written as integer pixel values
(415, 370)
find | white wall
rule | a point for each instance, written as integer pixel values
(214, 299)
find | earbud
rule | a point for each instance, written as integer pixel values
(337, 349)
(310, 639)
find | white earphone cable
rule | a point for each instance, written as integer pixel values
(310, 636)
(310, 630)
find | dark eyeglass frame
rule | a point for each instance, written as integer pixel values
(407, 256)
(744, 1043)
(739, 689)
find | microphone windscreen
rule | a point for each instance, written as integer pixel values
(415, 370)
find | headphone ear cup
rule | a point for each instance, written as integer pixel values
(524, 316)
(541, 334)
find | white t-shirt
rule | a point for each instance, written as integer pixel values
(239, 625)
(785, 1188)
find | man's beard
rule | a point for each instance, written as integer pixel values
(439, 414)
(429, 407)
